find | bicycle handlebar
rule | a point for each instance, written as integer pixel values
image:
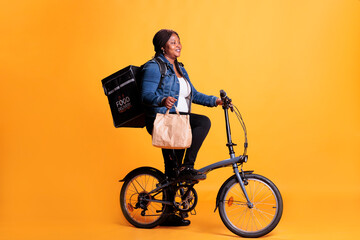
(222, 94)
(226, 100)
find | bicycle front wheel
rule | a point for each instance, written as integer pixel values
(250, 221)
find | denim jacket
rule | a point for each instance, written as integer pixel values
(152, 94)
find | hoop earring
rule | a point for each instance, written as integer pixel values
(163, 52)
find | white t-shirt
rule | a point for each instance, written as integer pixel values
(183, 101)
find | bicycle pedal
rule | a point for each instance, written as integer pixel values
(193, 212)
(191, 181)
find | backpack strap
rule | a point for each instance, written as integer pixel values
(163, 68)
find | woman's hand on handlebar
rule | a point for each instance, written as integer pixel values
(168, 102)
(219, 102)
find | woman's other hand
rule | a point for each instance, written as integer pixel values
(169, 102)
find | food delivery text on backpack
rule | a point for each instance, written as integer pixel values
(123, 91)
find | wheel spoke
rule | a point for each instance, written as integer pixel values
(132, 182)
(271, 204)
(256, 219)
(240, 217)
(259, 191)
(251, 192)
(153, 185)
(135, 213)
(266, 213)
(146, 181)
(140, 185)
(262, 217)
(247, 224)
(152, 210)
(241, 192)
(240, 204)
(237, 193)
(133, 191)
(236, 212)
(264, 198)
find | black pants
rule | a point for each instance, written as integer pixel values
(173, 158)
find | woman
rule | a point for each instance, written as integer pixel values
(175, 89)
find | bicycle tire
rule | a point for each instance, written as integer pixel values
(141, 182)
(250, 222)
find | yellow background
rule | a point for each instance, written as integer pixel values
(291, 67)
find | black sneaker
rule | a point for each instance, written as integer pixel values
(191, 174)
(175, 221)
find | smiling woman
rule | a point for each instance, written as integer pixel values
(172, 47)
(175, 90)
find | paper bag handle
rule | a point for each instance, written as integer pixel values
(177, 111)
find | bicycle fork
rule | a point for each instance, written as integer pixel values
(242, 185)
(230, 145)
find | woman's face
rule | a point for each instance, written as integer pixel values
(173, 47)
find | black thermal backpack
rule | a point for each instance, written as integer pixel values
(123, 91)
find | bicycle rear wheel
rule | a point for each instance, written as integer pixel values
(247, 221)
(135, 199)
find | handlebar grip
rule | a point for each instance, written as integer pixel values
(222, 93)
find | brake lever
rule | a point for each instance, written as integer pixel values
(229, 103)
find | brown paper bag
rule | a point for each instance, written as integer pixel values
(172, 131)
